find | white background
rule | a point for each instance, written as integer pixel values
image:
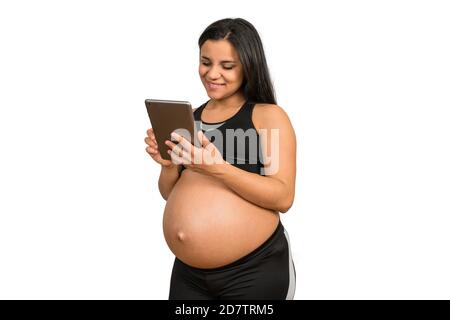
(365, 84)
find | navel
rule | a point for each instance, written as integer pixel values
(181, 236)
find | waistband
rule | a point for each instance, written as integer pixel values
(278, 231)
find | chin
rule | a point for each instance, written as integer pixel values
(216, 95)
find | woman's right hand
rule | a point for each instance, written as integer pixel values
(153, 151)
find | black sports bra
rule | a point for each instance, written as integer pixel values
(236, 138)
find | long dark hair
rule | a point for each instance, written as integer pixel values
(257, 85)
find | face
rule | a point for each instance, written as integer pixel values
(220, 69)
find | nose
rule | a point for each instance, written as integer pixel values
(213, 73)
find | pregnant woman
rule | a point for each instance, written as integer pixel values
(224, 197)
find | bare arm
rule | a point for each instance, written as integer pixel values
(275, 190)
(167, 179)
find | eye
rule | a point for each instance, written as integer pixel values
(208, 64)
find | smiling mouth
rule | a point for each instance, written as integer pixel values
(215, 85)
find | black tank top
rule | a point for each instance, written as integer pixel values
(236, 138)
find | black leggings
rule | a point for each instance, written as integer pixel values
(268, 272)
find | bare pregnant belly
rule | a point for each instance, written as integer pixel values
(207, 225)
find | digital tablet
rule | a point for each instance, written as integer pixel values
(170, 115)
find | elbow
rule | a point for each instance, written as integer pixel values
(164, 194)
(285, 198)
(285, 205)
(284, 209)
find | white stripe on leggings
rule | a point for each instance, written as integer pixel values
(291, 290)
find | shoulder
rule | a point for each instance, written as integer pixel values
(269, 115)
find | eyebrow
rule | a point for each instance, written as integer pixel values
(223, 61)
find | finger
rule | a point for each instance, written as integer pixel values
(173, 157)
(203, 139)
(181, 153)
(175, 147)
(183, 141)
(151, 150)
(176, 159)
(186, 155)
(148, 140)
(178, 150)
(170, 144)
(206, 144)
(151, 143)
(151, 134)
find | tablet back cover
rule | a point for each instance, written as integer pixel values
(167, 116)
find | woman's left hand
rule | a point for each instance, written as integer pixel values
(204, 159)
